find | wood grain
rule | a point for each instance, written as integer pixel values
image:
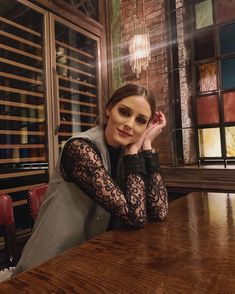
(193, 251)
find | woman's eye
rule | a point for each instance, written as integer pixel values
(124, 111)
(141, 120)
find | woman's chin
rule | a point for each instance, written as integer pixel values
(121, 142)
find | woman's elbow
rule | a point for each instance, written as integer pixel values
(138, 224)
(162, 214)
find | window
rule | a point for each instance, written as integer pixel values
(50, 85)
(88, 7)
(203, 80)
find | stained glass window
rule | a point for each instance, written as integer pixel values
(225, 10)
(228, 73)
(209, 142)
(204, 14)
(227, 39)
(207, 109)
(230, 141)
(203, 79)
(206, 77)
(204, 45)
(229, 106)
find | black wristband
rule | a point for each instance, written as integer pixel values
(134, 164)
(151, 161)
(148, 152)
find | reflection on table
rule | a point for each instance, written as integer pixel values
(193, 251)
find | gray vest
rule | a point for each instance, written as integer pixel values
(67, 217)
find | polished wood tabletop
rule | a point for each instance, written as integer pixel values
(192, 251)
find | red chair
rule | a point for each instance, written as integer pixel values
(35, 199)
(7, 221)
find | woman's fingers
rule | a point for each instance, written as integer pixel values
(155, 128)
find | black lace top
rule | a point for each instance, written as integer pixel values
(144, 196)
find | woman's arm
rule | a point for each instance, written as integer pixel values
(81, 164)
(156, 193)
(157, 197)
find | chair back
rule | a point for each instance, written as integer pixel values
(35, 197)
(7, 221)
(6, 210)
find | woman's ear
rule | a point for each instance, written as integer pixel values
(107, 112)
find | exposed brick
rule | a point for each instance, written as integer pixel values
(155, 77)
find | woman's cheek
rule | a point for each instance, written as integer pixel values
(138, 134)
(119, 118)
(141, 129)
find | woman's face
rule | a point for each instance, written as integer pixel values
(127, 120)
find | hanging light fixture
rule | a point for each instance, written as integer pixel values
(139, 46)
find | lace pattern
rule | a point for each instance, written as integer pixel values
(157, 199)
(157, 196)
(81, 163)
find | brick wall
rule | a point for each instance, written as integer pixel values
(156, 75)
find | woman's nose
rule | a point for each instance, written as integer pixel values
(130, 122)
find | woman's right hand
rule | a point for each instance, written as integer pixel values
(154, 129)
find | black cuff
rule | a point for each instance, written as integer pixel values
(134, 164)
(151, 161)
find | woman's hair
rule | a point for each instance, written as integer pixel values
(132, 90)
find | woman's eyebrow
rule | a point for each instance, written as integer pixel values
(140, 114)
(144, 116)
(124, 105)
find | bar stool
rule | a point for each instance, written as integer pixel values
(35, 198)
(7, 221)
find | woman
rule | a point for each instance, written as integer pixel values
(109, 170)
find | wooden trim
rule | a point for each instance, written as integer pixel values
(51, 95)
(180, 179)
(77, 91)
(69, 134)
(21, 146)
(14, 50)
(14, 90)
(72, 16)
(19, 118)
(76, 81)
(18, 189)
(20, 39)
(86, 21)
(76, 70)
(22, 133)
(23, 159)
(20, 26)
(21, 174)
(20, 202)
(78, 60)
(78, 112)
(77, 123)
(77, 102)
(19, 78)
(74, 49)
(22, 105)
(21, 65)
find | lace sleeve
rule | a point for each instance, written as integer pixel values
(81, 164)
(157, 196)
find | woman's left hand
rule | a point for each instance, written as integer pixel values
(154, 129)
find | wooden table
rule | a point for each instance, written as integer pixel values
(193, 251)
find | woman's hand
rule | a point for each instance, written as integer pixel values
(145, 141)
(134, 148)
(154, 129)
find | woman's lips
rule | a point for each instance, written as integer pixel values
(124, 133)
